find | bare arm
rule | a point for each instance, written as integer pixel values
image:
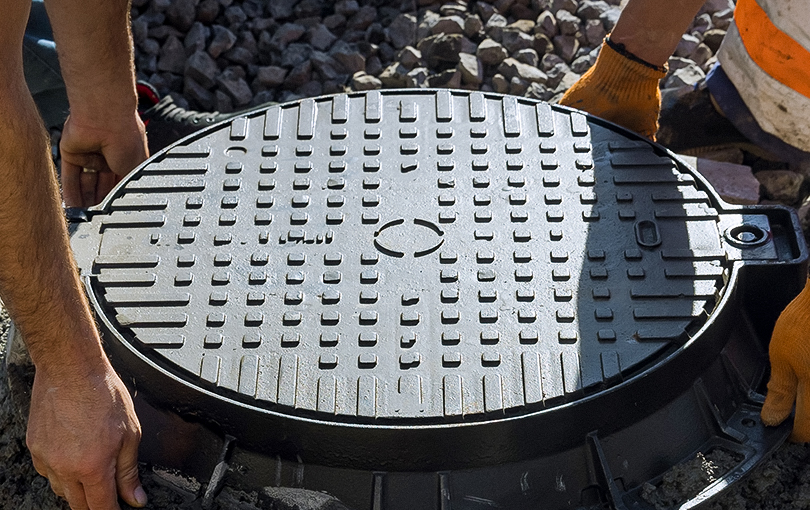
(651, 29)
(83, 433)
(103, 131)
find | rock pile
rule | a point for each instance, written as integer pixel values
(231, 54)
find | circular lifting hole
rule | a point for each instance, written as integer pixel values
(749, 422)
(746, 236)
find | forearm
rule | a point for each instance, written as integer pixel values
(94, 43)
(38, 279)
(651, 29)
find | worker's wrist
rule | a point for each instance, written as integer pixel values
(622, 50)
(618, 72)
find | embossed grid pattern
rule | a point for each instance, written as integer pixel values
(417, 255)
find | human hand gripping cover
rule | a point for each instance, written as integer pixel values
(620, 90)
(790, 368)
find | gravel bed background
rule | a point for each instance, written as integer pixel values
(228, 55)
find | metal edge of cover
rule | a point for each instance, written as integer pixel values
(705, 393)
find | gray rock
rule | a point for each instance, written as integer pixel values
(491, 52)
(299, 75)
(610, 17)
(581, 64)
(362, 19)
(160, 5)
(394, 76)
(239, 55)
(675, 63)
(567, 22)
(320, 37)
(472, 70)
(374, 65)
(500, 84)
(311, 89)
(295, 54)
(546, 24)
(150, 47)
(781, 185)
(594, 32)
(518, 87)
(687, 76)
(270, 76)
(701, 55)
(222, 41)
(198, 94)
(334, 21)
(485, 10)
(712, 38)
(528, 56)
(449, 25)
(701, 23)
(473, 26)
(568, 80)
(363, 81)
(172, 56)
(146, 63)
(542, 44)
(511, 68)
(524, 25)
(592, 9)
(566, 47)
(722, 19)
(687, 45)
(709, 64)
(515, 40)
(417, 77)
(538, 91)
(402, 31)
(550, 60)
(163, 31)
(716, 6)
(328, 67)
(467, 46)
(207, 11)
(288, 33)
(223, 102)
(450, 79)
(236, 88)
(409, 57)
(196, 37)
(442, 48)
(347, 8)
(140, 29)
(281, 9)
(495, 25)
(201, 68)
(348, 56)
(453, 9)
(425, 27)
(262, 98)
(235, 15)
(566, 5)
(153, 18)
(556, 74)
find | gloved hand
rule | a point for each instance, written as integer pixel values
(620, 90)
(790, 368)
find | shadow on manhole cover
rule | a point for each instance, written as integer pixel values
(437, 299)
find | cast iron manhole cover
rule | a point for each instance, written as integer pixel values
(436, 281)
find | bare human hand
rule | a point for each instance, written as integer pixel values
(94, 159)
(83, 435)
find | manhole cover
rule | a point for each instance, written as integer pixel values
(435, 281)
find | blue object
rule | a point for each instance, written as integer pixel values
(41, 67)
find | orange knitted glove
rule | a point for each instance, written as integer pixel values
(620, 90)
(790, 368)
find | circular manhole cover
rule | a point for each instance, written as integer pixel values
(389, 278)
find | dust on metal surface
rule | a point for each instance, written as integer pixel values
(409, 256)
